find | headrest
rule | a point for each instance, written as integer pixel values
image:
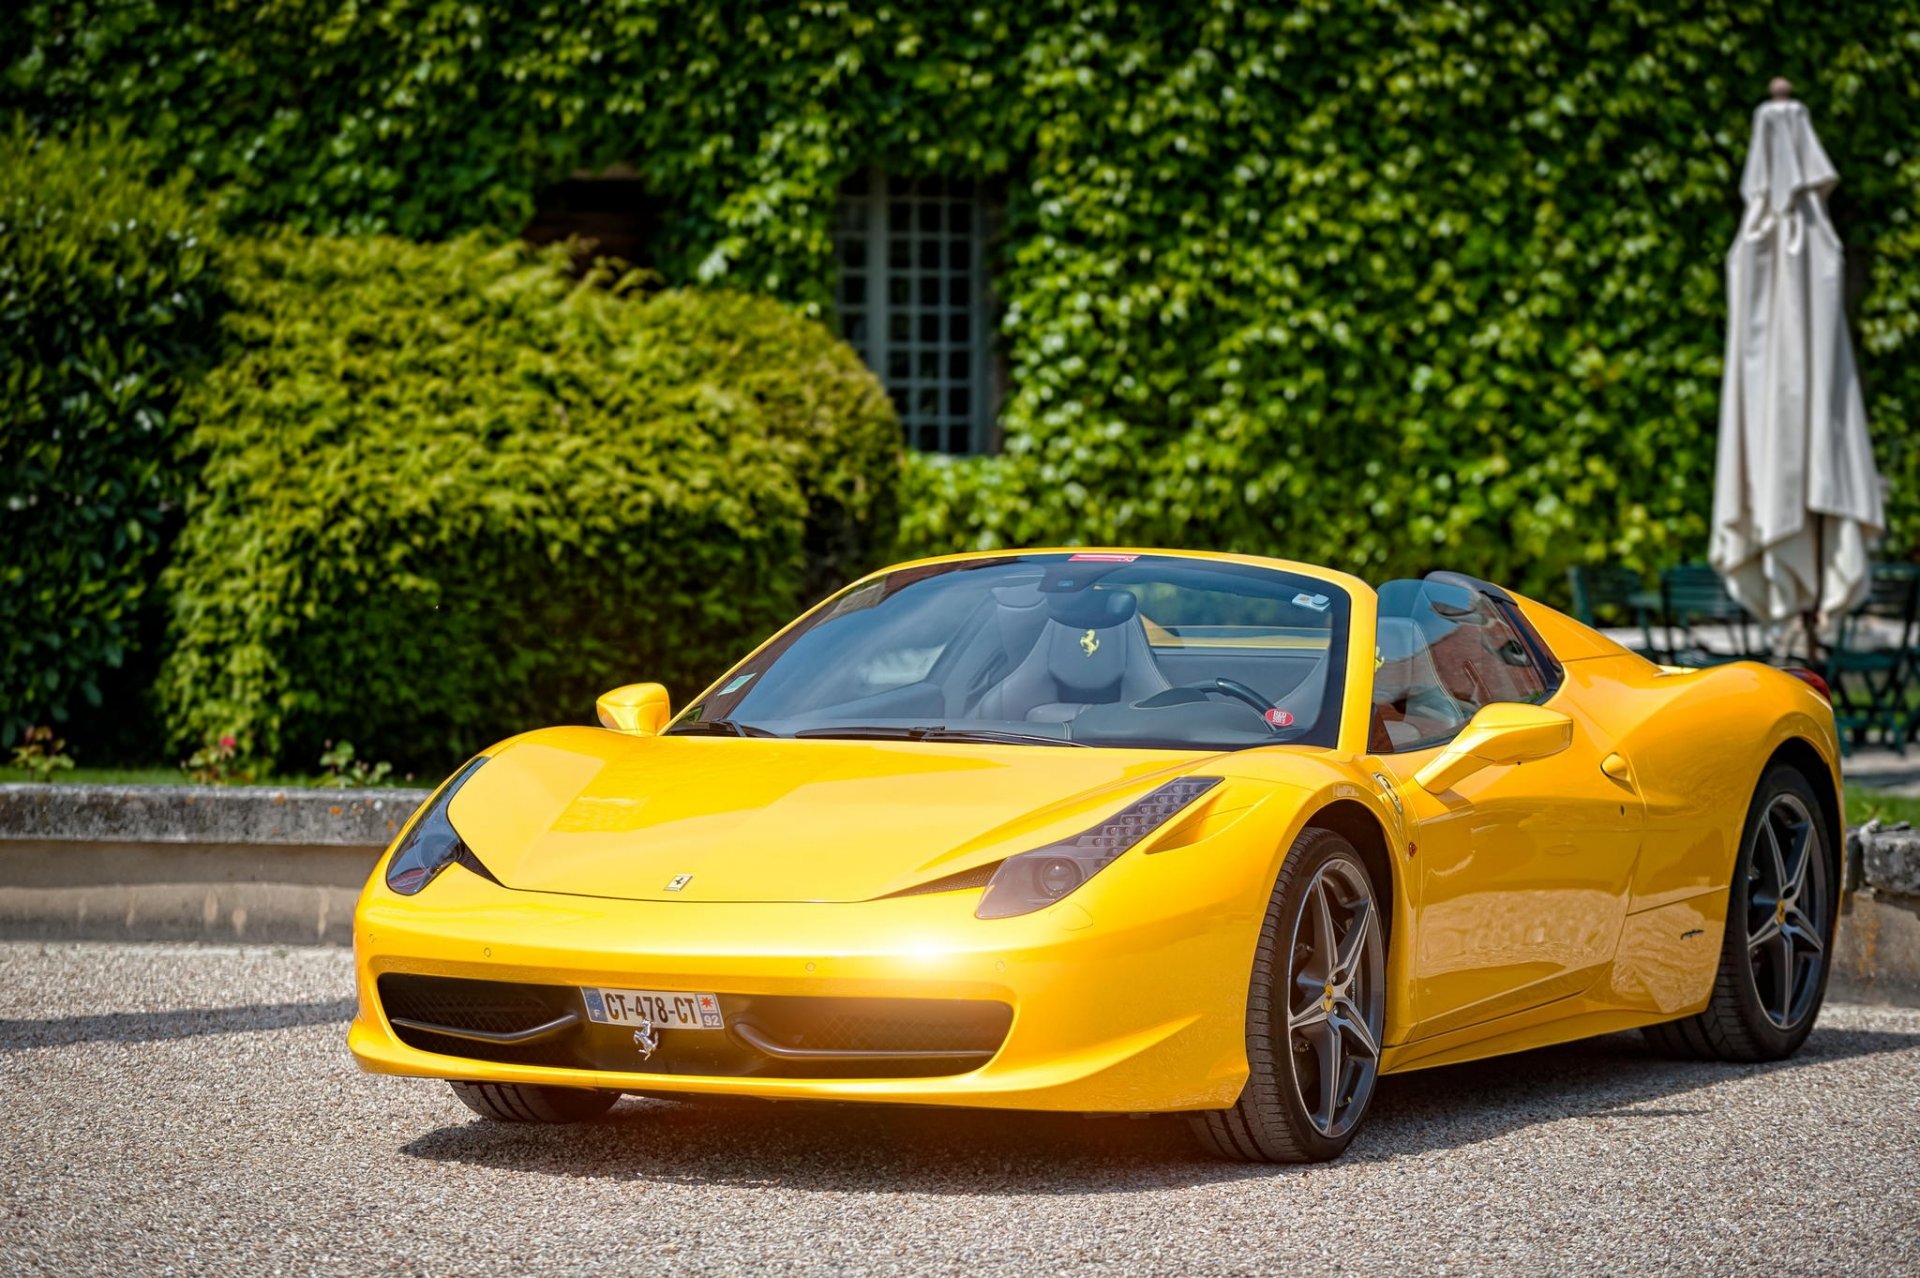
(1092, 609)
(1018, 616)
(1403, 659)
(1399, 638)
(1017, 596)
(1089, 661)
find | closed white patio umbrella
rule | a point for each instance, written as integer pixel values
(1796, 498)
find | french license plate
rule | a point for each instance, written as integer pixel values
(666, 1009)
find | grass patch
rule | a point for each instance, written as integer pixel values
(1864, 804)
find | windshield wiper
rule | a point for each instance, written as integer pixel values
(888, 732)
(717, 728)
(994, 734)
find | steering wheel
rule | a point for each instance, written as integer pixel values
(1222, 687)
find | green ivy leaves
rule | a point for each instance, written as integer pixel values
(1379, 284)
(108, 301)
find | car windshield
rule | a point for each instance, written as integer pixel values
(1145, 651)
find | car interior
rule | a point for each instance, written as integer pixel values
(1157, 654)
(1080, 655)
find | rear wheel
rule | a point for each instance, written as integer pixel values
(1315, 1008)
(530, 1103)
(1780, 912)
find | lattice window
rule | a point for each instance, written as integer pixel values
(912, 301)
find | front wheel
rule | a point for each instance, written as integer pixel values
(532, 1103)
(1780, 915)
(1315, 1009)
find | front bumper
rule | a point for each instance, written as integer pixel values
(1120, 1002)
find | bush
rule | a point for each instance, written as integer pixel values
(107, 303)
(452, 493)
(831, 426)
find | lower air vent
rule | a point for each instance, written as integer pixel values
(765, 1035)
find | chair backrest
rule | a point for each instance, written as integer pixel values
(1695, 592)
(1893, 595)
(1603, 593)
(1892, 590)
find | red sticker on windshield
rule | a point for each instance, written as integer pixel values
(1101, 559)
(1280, 718)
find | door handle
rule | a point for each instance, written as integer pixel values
(1615, 766)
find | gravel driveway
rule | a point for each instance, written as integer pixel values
(194, 1111)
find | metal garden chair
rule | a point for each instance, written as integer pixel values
(1869, 665)
(1614, 595)
(1693, 595)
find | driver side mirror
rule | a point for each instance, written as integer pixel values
(1501, 733)
(641, 709)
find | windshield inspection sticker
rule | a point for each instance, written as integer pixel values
(1316, 602)
(737, 684)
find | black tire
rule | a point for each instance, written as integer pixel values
(531, 1103)
(1287, 1048)
(1755, 1013)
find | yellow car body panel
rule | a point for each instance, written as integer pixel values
(1575, 894)
(777, 820)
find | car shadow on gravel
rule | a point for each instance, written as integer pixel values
(877, 1148)
(1615, 1077)
(153, 1027)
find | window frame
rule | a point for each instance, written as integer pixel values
(876, 308)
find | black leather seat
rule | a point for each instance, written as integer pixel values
(1091, 650)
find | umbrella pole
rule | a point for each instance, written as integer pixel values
(1812, 614)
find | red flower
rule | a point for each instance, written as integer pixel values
(228, 743)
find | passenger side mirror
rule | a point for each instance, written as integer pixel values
(1501, 733)
(641, 709)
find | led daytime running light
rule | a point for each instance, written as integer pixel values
(1034, 880)
(431, 843)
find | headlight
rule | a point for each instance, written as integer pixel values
(1036, 879)
(432, 844)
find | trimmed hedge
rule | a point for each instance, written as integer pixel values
(832, 427)
(452, 492)
(108, 298)
(1374, 282)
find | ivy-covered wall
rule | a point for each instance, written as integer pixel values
(1380, 284)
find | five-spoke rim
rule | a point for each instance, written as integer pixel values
(1786, 900)
(1335, 996)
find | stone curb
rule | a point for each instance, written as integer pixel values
(1888, 857)
(204, 814)
(190, 863)
(1877, 959)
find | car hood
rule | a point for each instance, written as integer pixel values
(591, 812)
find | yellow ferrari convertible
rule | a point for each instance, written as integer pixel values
(1117, 830)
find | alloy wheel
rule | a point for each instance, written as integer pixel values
(1335, 997)
(1786, 899)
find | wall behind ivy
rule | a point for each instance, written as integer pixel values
(1385, 285)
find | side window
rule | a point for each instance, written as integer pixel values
(1444, 649)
